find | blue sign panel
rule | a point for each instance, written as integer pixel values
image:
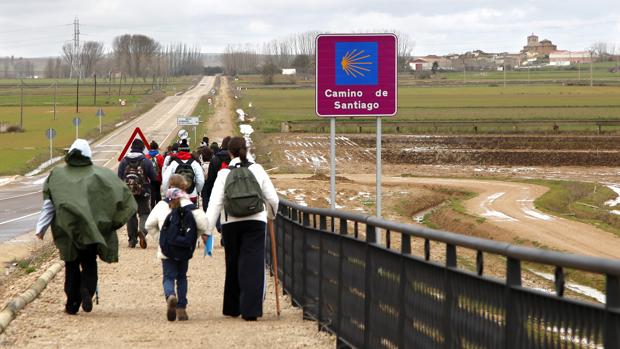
(356, 63)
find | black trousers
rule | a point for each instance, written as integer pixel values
(81, 273)
(155, 193)
(245, 268)
(144, 208)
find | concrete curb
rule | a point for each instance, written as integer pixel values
(18, 303)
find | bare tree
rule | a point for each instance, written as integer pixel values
(49, 72)
(71, 55)
(121, 47)
(92, 53)
(404, 50)
(599, 49)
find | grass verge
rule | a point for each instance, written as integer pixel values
(580, 201)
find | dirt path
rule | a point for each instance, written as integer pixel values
(510, 206)
(220, 124)
(131, 312)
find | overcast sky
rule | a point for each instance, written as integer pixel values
(32, 28)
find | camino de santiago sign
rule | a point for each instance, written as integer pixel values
(356, 75)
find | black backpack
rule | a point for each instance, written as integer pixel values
(179, 233)
(243, 195)
(134, 176)
(185, 169)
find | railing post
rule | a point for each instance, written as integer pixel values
(340, 287)
(304, 257)
(283, 248)
(371, 238)
(513, 322)
(405, 249)
(449, 299)
(294, 221)
(612, 304)
(320, 294)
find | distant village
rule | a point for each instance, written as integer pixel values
(534, 54)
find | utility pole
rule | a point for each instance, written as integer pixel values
(76, 64)
(77, 95)
(55, 86)
(95, 97)
(591, 61)
(21, 105)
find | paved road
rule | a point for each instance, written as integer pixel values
(20, 200)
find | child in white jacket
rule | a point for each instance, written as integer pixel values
(174, 270)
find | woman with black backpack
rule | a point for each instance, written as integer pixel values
(179, 223)
(244, 198)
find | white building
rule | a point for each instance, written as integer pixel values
(562, 58)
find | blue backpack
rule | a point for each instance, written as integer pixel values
(179, 234)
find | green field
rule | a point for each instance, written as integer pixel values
(272, 105)
(23, 151)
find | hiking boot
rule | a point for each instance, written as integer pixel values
(72, 308)
(142, 238)
(249, 318)
(87, 300)
(132, 244)
(171, 312)
(182, 314)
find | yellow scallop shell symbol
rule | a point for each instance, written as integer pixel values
(353, 63)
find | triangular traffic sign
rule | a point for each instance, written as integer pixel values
(138, 132)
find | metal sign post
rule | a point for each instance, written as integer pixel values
(378, 184)
(50, 133)
(100, 114)
(76, 123)
(356, 76)
(332, 162)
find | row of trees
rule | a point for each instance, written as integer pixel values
(131, 56)
(294, 51)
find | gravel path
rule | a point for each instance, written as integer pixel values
(131, 312)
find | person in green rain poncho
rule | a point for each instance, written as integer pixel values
(84, 205)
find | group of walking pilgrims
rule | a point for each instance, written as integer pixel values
(159, 195)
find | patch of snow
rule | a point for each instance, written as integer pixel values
(241, 114)
(536, 215)
(488, 212)
(300, 199)
(616, 201)
(617, 212)
(247, 130)
(43, 166)
(575, 287)
(6, 180)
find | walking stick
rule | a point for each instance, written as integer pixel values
(274, 262)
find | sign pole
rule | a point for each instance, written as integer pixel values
(378, 180)
(332, 160)
(77, 127)
(51, 154)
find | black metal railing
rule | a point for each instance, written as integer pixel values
(380, 294)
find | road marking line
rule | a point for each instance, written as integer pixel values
(20, 218)
(21, 195)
